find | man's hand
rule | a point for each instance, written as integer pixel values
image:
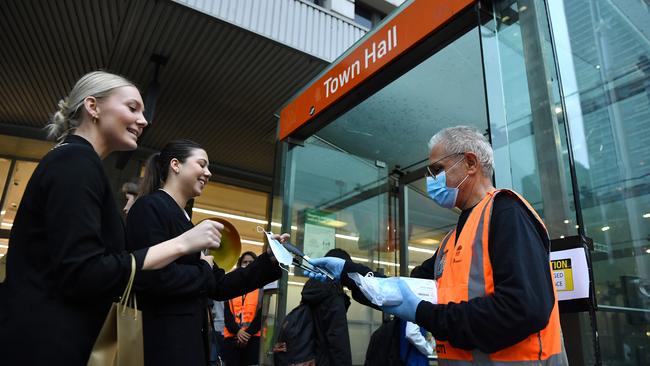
(280, 347)
(407, 309)
(243, 337)
(331, 264)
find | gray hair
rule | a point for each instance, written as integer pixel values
(461, 139)
(98, 84)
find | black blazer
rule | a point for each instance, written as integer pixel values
(66, 261)
(174, 300)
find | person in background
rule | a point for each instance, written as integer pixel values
(130, 192)
(243, 322)
(329, 305)
(216, 351)
(67, 260)
(175, 299)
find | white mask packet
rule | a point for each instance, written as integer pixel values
(380, 291)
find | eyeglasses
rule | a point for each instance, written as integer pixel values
(433, 169)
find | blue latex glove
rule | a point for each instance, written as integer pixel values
(331, 264)
(406, 310)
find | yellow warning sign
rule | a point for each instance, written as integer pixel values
(562, 274)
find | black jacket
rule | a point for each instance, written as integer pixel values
(174, 299)
(329, 306)
(523, 291)
(66, 260)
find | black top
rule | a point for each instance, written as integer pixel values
(329, 305)
(66, 261)
(174, 299)
(523, 291)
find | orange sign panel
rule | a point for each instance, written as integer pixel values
(411, 25)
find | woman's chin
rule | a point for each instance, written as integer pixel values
(127, 145)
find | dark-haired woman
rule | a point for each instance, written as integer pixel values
(243, 323)
(66, 262)
(174, 299)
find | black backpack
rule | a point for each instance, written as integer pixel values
(383, 348)
(295, 343)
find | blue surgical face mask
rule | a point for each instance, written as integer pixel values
(440, 193)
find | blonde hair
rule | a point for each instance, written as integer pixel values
(98, 84)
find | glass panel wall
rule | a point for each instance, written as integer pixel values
(526, 115)
(527, 123)
(603, 50)
(340, 201)
(600, 93)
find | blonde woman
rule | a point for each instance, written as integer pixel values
(66, 262)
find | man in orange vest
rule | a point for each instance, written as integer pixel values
(497, 303)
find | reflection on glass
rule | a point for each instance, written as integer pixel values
(604, 56)
(526, 125)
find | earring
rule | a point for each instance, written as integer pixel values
(95, 119)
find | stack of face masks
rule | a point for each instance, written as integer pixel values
(386, 291)
(380, 291)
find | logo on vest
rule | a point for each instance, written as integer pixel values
(440, 349)
(457, 256)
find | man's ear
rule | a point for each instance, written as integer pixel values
(472, 163)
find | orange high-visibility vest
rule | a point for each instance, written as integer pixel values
(467, 274)
(244, 308)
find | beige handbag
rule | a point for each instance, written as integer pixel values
(120, 340)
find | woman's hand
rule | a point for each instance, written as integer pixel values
(284, 238)
(208, 258)
(205, 235)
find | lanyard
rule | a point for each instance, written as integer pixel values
(241, 311)
(240, 315)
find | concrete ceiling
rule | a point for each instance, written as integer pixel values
(221, 85)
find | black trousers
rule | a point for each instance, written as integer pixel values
(235, 355)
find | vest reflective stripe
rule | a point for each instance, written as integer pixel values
(465, 274)
(554, 360)
(248, 309)
(476, 285)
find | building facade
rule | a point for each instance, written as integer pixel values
(561, 89)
